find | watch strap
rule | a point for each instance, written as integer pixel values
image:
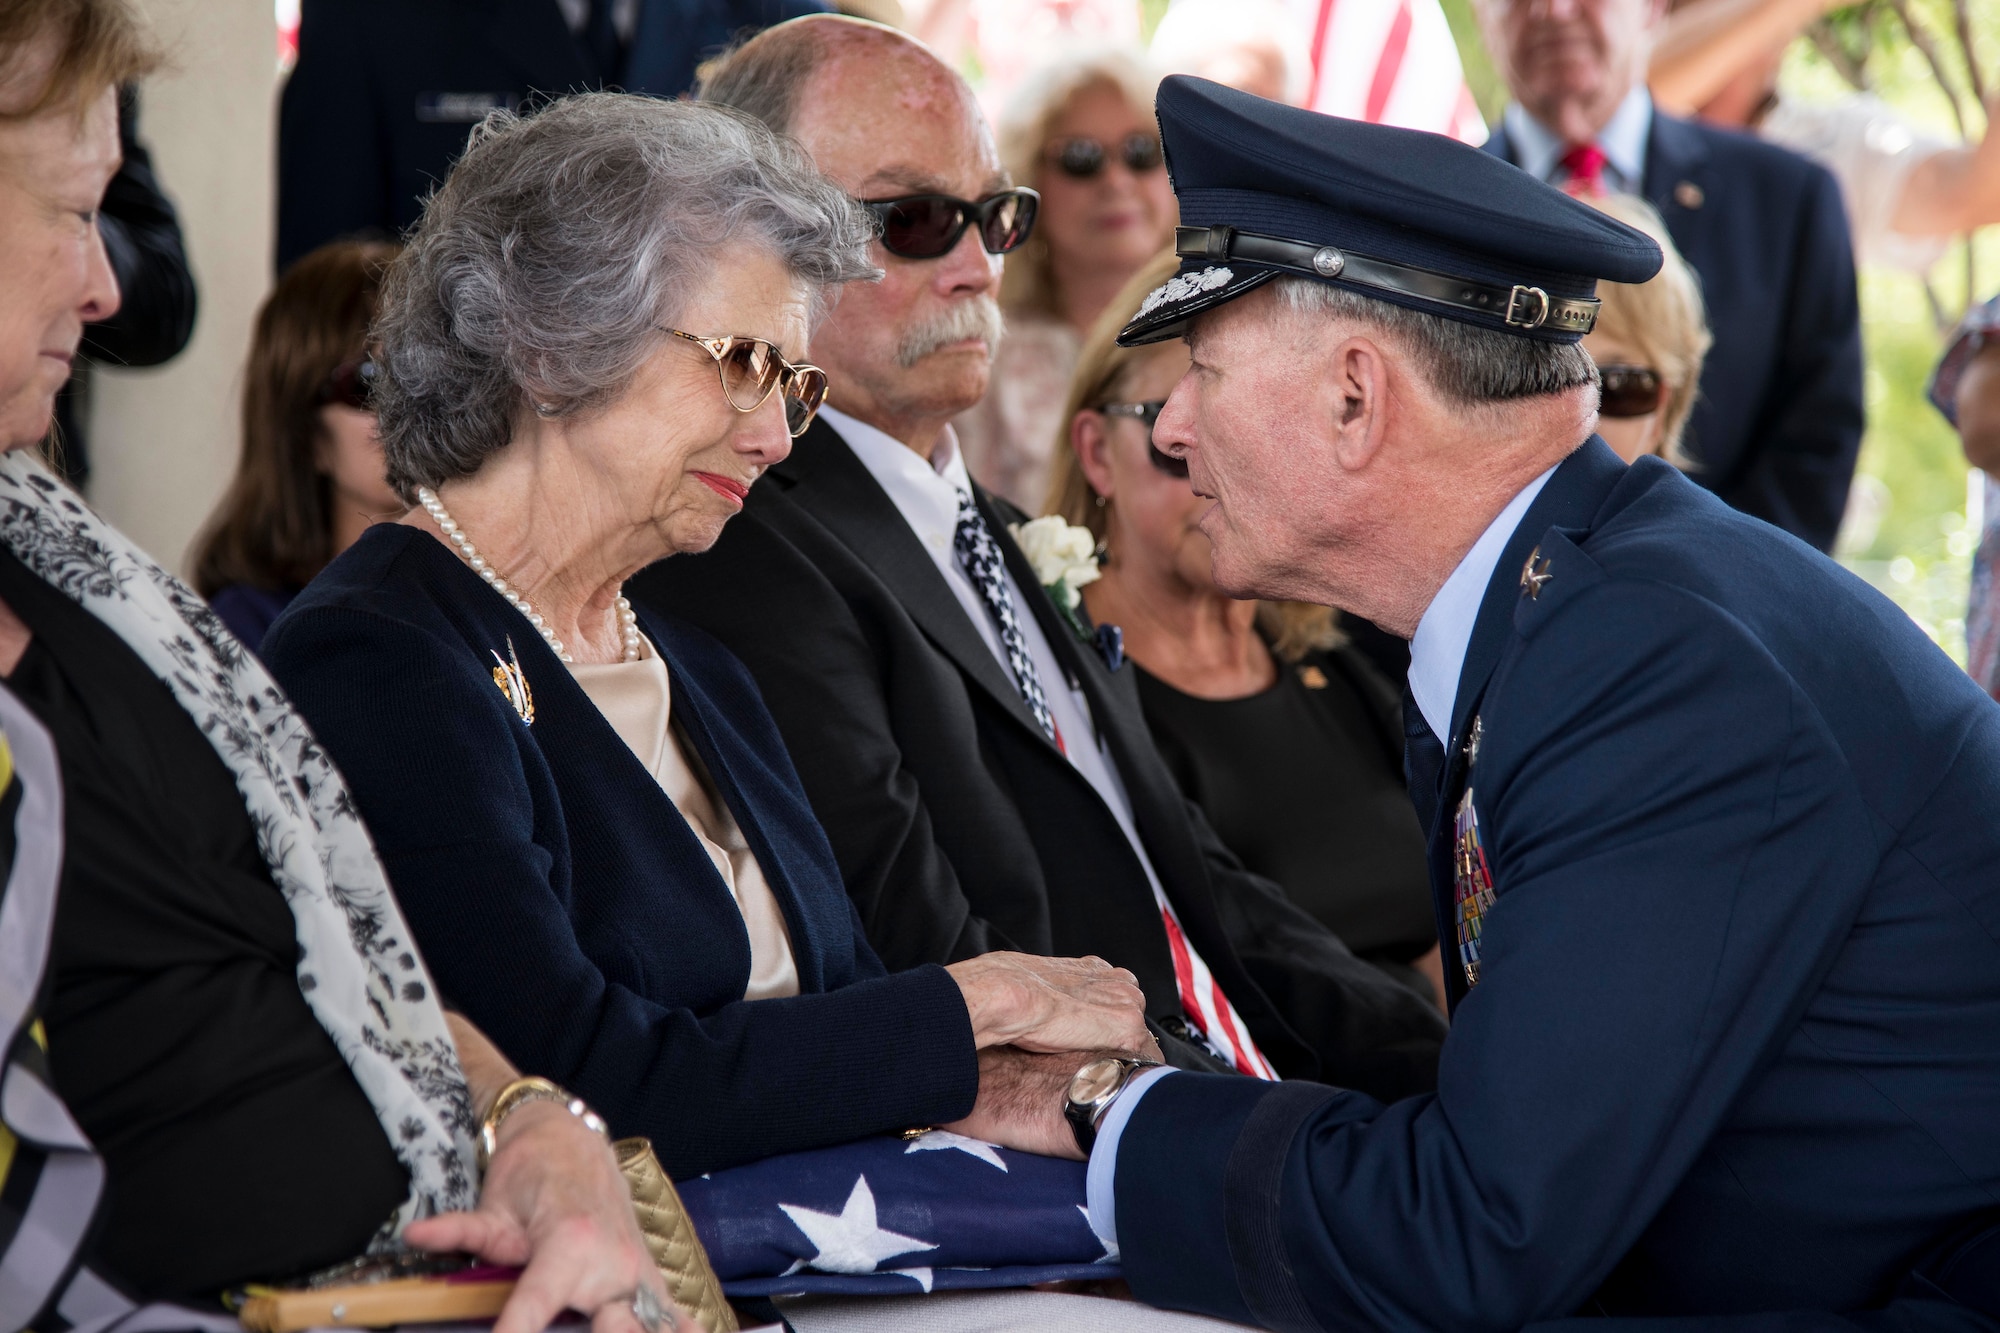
(1084, 1117)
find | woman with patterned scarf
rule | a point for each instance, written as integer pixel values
(224, 1059)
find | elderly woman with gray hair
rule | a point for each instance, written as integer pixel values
(590, 351)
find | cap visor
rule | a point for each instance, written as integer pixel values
(1200, 285)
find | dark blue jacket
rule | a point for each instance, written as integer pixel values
(1735, 1044)
(385, 91)
(566, 907)
(1777, 427)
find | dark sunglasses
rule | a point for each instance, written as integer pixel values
(750, 368)
(1081, 159)
(352, 384)
(925, 226)
(1629, 391)
(1147, 414)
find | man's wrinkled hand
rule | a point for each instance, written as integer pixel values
(1053, 1004)
(555, 1202)
(1021, 1100)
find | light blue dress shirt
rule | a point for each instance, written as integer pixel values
(1437, 657)
(1539, 149)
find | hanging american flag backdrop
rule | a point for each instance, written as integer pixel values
(886, 1216)
(1392, 62)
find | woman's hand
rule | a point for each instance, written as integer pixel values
(1054, 1004)
(555, 1202)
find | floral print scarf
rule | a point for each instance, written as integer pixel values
(358, 966)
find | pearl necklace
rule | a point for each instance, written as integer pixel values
(628, 623)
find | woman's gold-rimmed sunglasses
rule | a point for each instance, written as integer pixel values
(750, 368)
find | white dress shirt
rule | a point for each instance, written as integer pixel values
(926, 494)
(1539, 149)
(1437, 657)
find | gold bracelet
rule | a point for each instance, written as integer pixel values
(518, 1094)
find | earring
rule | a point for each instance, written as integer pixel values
(1101, 502)
(545, 409)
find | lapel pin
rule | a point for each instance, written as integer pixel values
(1689, 195)
(1312, 677)
(513, 683)
(1534, 573)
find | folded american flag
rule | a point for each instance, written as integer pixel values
(884, 1216)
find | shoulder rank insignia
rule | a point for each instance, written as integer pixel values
(1472, 880)
(1534, 573)
(513, 683)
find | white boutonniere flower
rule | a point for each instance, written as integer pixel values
(1065, 559)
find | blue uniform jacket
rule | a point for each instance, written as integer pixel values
(566, 907)
(385, 91)
(1735, 1046)
(1777, 427)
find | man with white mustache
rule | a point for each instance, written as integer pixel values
(981, 768)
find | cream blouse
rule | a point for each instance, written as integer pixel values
(636, 698)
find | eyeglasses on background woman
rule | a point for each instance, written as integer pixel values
(1083, 157)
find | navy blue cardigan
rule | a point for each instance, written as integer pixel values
(565, 906)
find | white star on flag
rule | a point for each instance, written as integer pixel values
(849, 1241)
(1110, 1247)
(937, 1140)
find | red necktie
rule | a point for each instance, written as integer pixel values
(1585, 164)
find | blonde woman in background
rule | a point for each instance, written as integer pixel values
(1287, 738)
(1080, 130)
(1648, 344)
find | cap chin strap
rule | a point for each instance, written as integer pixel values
(1518, 307)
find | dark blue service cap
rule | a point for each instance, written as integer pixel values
(1417, 219)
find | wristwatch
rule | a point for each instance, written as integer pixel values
(1092, 1090)
(518, 1094)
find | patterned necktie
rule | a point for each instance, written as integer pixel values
(979, 556)
(1423, 763)
(1585, 164)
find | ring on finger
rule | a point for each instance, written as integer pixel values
(653, 1316)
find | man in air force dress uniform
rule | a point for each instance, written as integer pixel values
(1715, 831)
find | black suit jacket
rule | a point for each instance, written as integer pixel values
(1777, 427)
(385, 92)
(958, 826)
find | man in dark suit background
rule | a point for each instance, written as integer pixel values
(1777, 428)
(385, 91)
(984, 775)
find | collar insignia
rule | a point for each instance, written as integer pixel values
(1534, 573)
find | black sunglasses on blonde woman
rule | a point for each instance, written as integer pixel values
(1082, 158)
(750, 368)
(1629, 391)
